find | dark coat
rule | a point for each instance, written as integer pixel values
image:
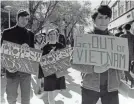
(51, 82)
(20, 36)
(130, 38)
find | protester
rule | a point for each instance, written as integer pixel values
(102, 85)
(127, 34)
(40, 41)
(52, 83)
(39, 44)
(19, 35)
(120, 32)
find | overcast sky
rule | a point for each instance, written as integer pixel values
(95, 3)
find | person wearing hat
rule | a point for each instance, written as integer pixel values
(19, 34)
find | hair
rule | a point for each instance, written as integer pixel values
(22, 13)
(58, 30)
(127, 27)
(104, 10)
(51, 30)
(36, 36)
(120, 28)
(44, 34)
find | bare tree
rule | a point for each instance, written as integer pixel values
(37, 9)
(70, 13)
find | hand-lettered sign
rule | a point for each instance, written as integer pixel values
(14, 57)
(56, 61)
(95, 49)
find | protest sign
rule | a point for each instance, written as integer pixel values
(14, 57)
(56, 61)
(95, 49)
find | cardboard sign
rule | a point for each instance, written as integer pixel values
(95, 49)
(56, 61)
(14, 57)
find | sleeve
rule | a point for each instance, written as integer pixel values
(4, 36)
(31, 39)
(122, 35)
(60, 46)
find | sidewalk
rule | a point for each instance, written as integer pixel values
(72, 95)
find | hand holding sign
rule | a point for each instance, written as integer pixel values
(56, 61)
(12, 70)
(21, 58)
(25, 46)
(95, 49)
(101, 69)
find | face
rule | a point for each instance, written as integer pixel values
(39, 38)
(23, 21)
(101, 22)
(52, 37)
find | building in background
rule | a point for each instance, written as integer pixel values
(123, 12)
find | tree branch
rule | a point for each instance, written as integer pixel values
(36, 6)
(47, 15)
(72, 28)
(53, 8)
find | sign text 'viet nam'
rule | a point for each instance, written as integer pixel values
(94, 49)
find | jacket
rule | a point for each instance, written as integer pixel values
(91, 80)
(130, 38)
(46, 49)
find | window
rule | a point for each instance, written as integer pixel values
(121, 7)
(112, 14)
(128, 5)
(132, 4)
(115, 11)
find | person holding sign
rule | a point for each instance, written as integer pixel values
(39, 44)
(51, 82)
(20, 35)
(99, 81)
